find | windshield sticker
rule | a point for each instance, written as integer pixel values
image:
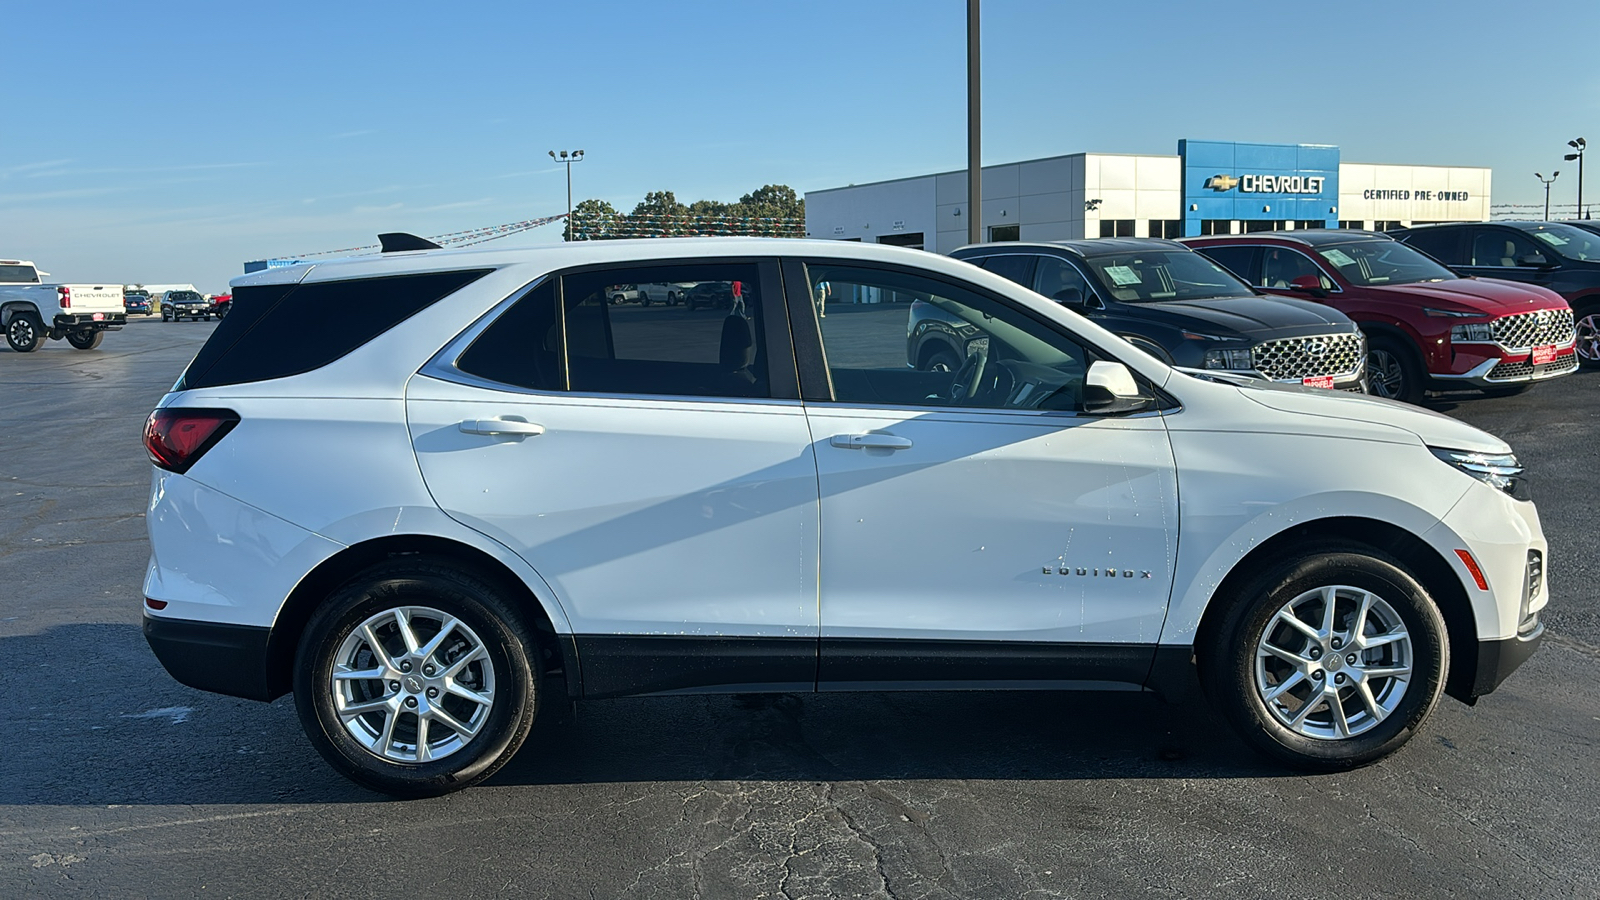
(1554, 240)
(1123, 276)
(1338, 257)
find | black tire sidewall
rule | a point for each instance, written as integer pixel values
(1228, 667)
(1411, 371)
(507, 640)
(37, 328)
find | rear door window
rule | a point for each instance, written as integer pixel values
(1442, 244)
(1016, 267)
(1238, 260)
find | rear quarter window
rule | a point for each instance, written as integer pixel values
(278, 330)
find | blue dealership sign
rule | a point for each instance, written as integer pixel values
(1281, 182)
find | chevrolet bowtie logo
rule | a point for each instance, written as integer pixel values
(1221, 182)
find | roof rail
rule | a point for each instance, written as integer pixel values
(399, 242)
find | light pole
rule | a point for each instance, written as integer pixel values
(569, 158)
(1578, 144)
(974, 131)
(1546, 182)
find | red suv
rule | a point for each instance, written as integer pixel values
(1427, 328)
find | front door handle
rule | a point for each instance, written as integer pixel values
(501, 426)
(871, 441)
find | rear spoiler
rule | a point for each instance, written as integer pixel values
(399, 242)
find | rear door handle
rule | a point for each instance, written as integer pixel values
(871, 442)
(501, 426)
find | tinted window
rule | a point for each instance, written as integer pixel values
(1502, 247)
(1013, 266)
(1383, 262)
(920, 341)
(278, 330)
(1155, 275)
(1235, 259)
(1281, 266)
(1568, 241)
(18, 275)
(1440, 243)
(522, 347)
(1060, 281)
(711, 346)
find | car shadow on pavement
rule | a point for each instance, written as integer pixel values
(105, 725)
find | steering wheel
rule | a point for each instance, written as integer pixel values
(964, 386)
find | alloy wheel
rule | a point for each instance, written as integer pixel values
(1334, 662)
(1385, 373)
(412, 684)
(1589, 338)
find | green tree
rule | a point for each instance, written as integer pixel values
(659, 214)
(593, 220)
(773, 209)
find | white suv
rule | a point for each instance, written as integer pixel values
(490, 488)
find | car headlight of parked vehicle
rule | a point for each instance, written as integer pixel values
(1472, 331)
(1498, 470)
(1237, 359)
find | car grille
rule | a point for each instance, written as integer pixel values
(1507, 371)
(1292, 359)
(1534, 329)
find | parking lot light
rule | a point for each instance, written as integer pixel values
(1546, 182)
(1579, 145)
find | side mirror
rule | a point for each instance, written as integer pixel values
(1069, 296)
(1110, 390)
(1308, 284)
(1532, 261)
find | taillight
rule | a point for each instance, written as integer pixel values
(177, 438)
(65, 297)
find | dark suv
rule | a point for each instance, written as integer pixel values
(1426, 327)
(1174, 304)
(1554, 255)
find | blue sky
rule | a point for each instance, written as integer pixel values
(169, 142)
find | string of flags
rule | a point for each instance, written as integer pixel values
(453, 238)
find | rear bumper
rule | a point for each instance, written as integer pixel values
(68, 321)
(223, 659)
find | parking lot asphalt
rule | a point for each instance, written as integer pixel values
(117, 781)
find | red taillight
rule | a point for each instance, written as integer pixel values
(65, 294)
(177, 438)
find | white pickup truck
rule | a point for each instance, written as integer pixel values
(31, 311)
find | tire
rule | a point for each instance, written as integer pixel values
(617, 300)
(1240, 675)
(85, 340)
(645, 300)
(25, 332)
(1588, 324)
(488, 634)
(1393, 369)
(672, 298)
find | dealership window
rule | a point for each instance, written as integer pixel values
(1358, 224)
(1005, 232)
(1216, 226)
(1116, 228)
(1252, 226)
(1166, 228)
(1382, 225)
(1309, 223)
(911, 239)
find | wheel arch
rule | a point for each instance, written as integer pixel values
(556, 652)
(1419, 558)
(8, 310)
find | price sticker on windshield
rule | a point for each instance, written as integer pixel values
(1122, 275)
(1318, 381)
(1542, 355)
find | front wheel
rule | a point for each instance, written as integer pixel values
(1588, 325)
(85, 340)
(1331, 659)
(416, 680)
(25, 333)
(1393, 370)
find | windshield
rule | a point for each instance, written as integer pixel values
(1157, 275)
(185, 296)
(1565, 240)
(1368, 263)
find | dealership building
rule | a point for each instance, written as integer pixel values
(1209, 187)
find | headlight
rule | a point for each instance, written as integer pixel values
(1232, 360)
(1472, 331)
(1498, 470)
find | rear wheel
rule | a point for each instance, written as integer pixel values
(1393, 369)
(1588, 323)
(25, 332)
(86, 340)
(416, 680)
(1331, 659)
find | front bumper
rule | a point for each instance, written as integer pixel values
(1513, 368)
(212, 656)
(1498, 659)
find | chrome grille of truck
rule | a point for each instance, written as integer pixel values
(1534, 329)
(1292, 359)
